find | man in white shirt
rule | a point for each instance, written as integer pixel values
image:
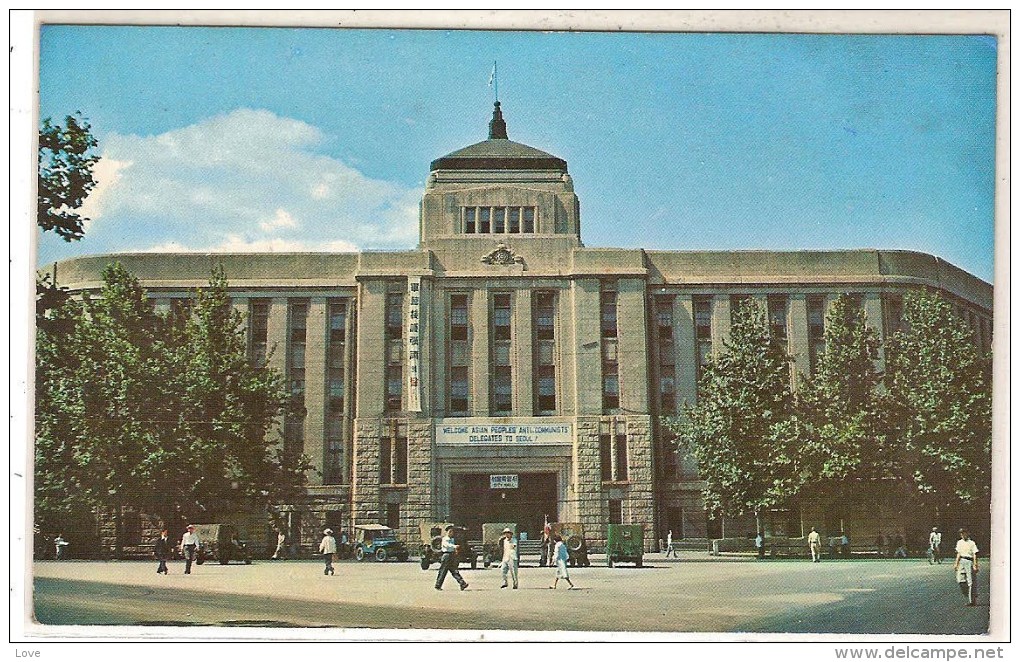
(814, 541)
(934, 543)
(966, 566)
(669, 545)
(328, 548)
(189, 547)
(510, 559)
(449, 561)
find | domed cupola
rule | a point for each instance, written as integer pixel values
(499, 153)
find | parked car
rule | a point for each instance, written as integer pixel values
(625, 542)
(221, 542)
(432, 541)
(375, 541)
(573, 536)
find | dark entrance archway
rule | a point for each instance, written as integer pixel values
(473, 502)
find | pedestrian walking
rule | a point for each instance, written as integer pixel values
(548, 544)
(814, 541)
(328, 548)
(759, 544)
(163, 550)
(561, 554)
(669, 545)
(281, 545)
(189, 547)
(966, 566)
(934, 545)
(449, 562)
(508, 549)
(61, 545)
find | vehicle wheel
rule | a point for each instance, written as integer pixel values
(359, 554)
(437, 543)
(425, 563)
(381, 555)
(199, 561)
(574, 543)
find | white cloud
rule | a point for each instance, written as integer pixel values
(247, 181)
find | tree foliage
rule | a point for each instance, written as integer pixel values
(841, 408)
(66, 162)
(941, 402)
(738, 431)
(162, 411)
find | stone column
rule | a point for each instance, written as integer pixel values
(276, 351)
(800, 343)
(686, 349)
(720, 322)
(479, 404)
(365, 474)
(315, 387)
(873, 313)
(587, 379)
(633, 339)
(522, 358)
(371, 349)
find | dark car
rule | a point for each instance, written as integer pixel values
(573, 536)
(375, 541)
(221, 542)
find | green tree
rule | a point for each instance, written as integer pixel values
(159, 411)
(840, 408)
(940, 391)
(66, 162)
(739, 431)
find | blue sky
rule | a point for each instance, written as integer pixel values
(321, 139)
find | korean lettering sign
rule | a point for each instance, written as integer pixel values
(414, 341)
(503, 482)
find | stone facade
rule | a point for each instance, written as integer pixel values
(616, 346)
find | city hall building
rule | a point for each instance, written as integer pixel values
(503, 371)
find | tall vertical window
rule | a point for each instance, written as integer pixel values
(778, 318)
(893, 314)
(501, 396)
(498, 220)
(393, 515)
(703, 332)
(394, 350)
(393, 455)
(667, 353)
(610, 349)
(258, 323)
(544, 318)
(816, 329)
(458, 355)
(294, 422)
(613, 450)
(336, 345)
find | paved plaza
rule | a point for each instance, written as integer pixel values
(699, 593)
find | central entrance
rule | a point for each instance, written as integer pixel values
(473, 502)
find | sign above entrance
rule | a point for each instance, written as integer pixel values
(503, 432)
(503, 482)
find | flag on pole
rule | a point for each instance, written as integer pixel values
(492, 76)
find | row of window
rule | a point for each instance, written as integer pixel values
(499, 220)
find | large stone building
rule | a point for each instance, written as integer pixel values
(503, 371)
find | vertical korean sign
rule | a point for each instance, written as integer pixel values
(414, 344)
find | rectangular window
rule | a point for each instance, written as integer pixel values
(501, 383)
(501, 315)
(484, 220)
(393, 456)
(258, 323)
(394, 387)
(703, 318)
(893, 314)
(458, 391)
(615, 511)
(470, 214)
(528, 219)
(621, 456)
(458, 317)
(544, 368)
(386, 461)
(778, 317)
(294, 422)
(393, 515)
(608, 314)
(502, 391)
(335, 354)
(606, 456)
(545, 311)
(611, 392)
(499, 220)
(334, 464)
(546, 389)
(514, 220)
(816, 330)
(395, 315)
(400, 460)
(664, 317)
(610, 348)
(457, 346)
(394, 349)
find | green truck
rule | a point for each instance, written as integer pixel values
(625, 542)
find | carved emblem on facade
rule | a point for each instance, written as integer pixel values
(503, 256)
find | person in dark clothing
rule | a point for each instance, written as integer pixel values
(163, 550)
(449, 561)
(547, 547)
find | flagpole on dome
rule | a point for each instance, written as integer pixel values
(494, 81)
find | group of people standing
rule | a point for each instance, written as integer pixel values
(163, 550)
